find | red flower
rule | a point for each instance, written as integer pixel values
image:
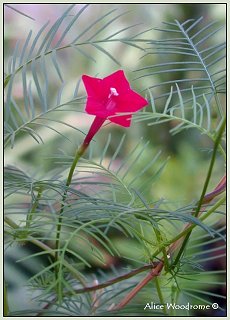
(112, 95)
(109, 96)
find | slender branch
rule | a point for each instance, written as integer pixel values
(218, 190)
(153, 273)
(105, 284)
(7, 78)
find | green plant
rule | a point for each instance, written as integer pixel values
(109, 214)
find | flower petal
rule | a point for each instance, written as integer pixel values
(94, 87)
(116, 80)
(96, 107)
(124, 121)
(130, 102)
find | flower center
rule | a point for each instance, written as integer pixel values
(113, 92)
(111, 104)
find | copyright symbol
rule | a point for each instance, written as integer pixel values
(215, 306)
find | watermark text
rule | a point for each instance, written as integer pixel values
(188, 306)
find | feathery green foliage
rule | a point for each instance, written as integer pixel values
(113, 228)
(197, 75)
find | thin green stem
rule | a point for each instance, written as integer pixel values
(160, 295)
(11, 223)
(78, 155)
(159, 239)
(174, 291)
(207, 180)
(34, 207)
(212, 162)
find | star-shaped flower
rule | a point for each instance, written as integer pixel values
(106, 98)
(112, 95)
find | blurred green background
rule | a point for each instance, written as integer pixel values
(183, 177)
